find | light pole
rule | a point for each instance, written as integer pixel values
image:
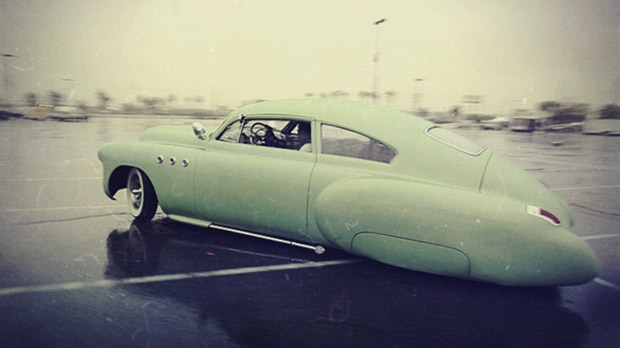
(68, 88)
(6, 80)
(417, 94)
(375, 85)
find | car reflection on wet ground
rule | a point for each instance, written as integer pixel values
(75, 270)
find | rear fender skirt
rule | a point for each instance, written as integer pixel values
(412, 254)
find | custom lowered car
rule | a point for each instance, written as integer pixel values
(367, 179)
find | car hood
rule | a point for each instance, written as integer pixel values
(173, 135)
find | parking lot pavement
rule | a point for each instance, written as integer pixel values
(75, 271)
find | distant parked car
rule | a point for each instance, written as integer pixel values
(363, 178)
(68, 114)
(609, 127)
(38, 113)
(523, 124)
(497, 123)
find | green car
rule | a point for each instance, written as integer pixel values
(367, 179)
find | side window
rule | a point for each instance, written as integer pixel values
(284, 134)
(342, 142)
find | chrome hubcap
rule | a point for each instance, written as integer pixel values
(135, 195)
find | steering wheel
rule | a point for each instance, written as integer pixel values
(259, 132)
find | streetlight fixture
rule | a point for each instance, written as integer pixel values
(375, 85)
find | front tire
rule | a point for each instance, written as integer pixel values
(141, 196)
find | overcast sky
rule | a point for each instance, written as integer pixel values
(512, 53)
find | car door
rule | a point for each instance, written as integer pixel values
(245, 184)
(344, 157)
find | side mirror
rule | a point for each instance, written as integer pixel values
(199, 130)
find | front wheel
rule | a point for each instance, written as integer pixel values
(141, 196)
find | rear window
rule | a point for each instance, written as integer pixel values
(454, 140)
(343, 142)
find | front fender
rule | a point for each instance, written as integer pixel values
(116, 159)
(169, 167)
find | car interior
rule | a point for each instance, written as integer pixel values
(296, 135)
(285, 134)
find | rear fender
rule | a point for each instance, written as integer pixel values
(399, 208)
(450, 231)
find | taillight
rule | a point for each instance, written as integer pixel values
(543, 214)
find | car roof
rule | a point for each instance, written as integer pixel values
(382, 123)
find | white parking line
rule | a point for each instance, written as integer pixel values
(584, 188)
(600, 236)
(106, 283)
(16, 210)
(51, 179)
(607, 284)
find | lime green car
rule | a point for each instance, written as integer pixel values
(370, 180)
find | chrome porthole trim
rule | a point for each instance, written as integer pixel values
(172, 161)
(160, 159)
(185, 162)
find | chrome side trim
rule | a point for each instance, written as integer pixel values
(317, 249)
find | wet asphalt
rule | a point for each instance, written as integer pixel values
(76, 272)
